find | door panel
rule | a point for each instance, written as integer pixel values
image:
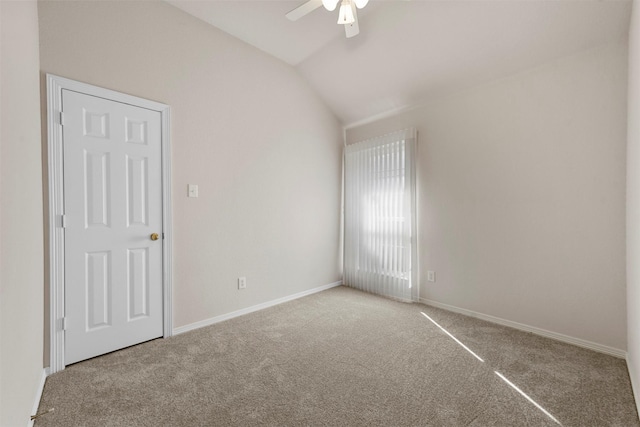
(97, 166)
(138, 283)
(137, 191)
(113, 203)
(98, 266)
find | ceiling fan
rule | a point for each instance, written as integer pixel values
(347, 15)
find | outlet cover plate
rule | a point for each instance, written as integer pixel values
(192, 190)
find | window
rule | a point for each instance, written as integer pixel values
(379, 215)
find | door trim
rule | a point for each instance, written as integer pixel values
(55, 85)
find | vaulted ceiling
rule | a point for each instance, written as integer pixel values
(409, 51)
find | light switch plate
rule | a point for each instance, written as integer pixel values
(193, 190)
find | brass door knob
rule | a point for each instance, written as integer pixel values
(154, 236)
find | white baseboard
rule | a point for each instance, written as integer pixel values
(38, 396)
(635, 387)
(223, 317)
(542, 332)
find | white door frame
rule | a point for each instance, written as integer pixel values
(55, 85)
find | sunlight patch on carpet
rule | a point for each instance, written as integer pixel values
(452, 337)
(526, 396)
(536, 404)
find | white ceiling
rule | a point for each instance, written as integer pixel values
(408, 51)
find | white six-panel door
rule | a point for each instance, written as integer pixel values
(113, 205)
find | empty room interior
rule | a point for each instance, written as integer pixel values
(323, 212)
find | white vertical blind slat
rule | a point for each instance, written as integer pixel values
(384, 205)
(397, 213)
(379, 218)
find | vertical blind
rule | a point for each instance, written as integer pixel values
(379, 225)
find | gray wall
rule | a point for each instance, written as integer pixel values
(633, 205)
(264, 150)
(21, 244)
(522, 196)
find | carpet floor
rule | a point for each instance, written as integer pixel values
(345, 358)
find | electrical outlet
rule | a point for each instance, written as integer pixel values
(192, 190)
(431, 276)
(242, 283)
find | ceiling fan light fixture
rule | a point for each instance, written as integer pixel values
(330, 5)
(346, 13)
(359, 3)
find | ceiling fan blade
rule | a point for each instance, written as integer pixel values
(352, 29)
(303, 9)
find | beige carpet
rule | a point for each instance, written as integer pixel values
(344, 358)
